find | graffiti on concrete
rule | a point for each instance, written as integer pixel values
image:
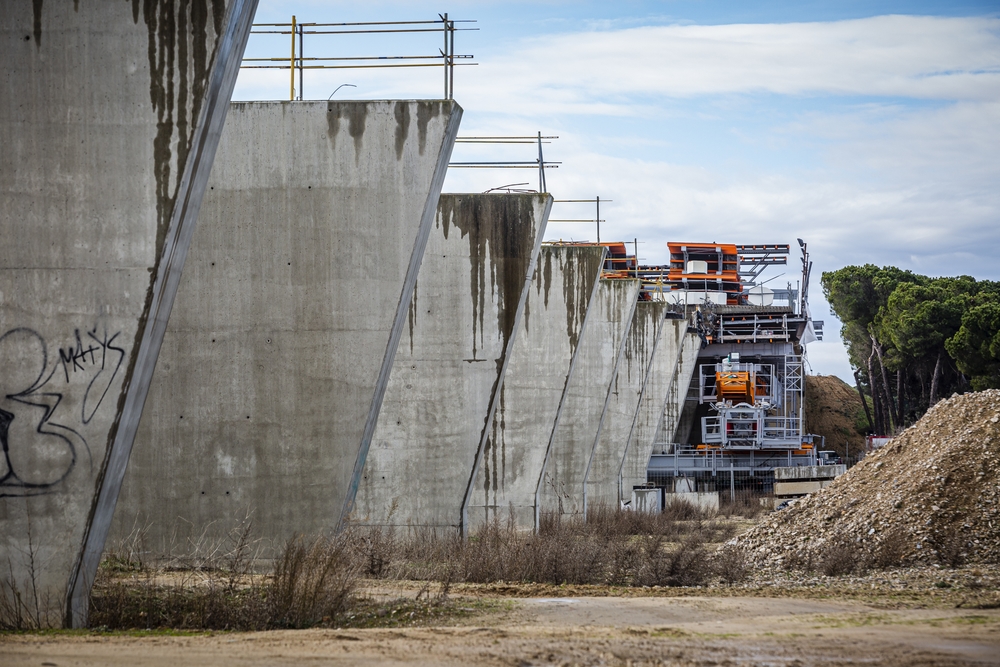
(44, 403)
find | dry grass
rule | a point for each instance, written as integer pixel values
(611, 547)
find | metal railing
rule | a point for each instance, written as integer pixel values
(296, 61)
(597, 216)
(540, 164)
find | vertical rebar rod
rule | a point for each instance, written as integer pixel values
(291, 64)
(444, 19)
(541, 165)
(635, 244)
(451, 63)
(598, 219)
(302, 53)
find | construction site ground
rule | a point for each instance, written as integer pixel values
(918, 519)
(915, 616)
(834, 411)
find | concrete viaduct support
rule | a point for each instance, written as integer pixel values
(450, 365)
(562, 488)
(295, 297)
(626, 391)
(552, 329)
(662, 400)
(110, 115)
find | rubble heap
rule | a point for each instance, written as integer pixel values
(931, 495)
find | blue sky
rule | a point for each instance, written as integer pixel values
(870, 129)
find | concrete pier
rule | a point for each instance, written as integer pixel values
(627, 389)
(552, 329)
(450, 364)
(659, 409)
(296, 294)
(110, 115)
(563, 484)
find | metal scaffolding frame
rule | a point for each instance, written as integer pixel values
(297, 62)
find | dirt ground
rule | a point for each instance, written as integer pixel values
(833, 410)
(572, 631)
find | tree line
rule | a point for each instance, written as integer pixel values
(913, 339)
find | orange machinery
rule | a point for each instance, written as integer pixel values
(734, 386)
(706, 266)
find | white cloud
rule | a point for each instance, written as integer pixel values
(917, 57)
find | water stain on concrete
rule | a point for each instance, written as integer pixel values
(36, 6)
(402, 112)
(425, 112)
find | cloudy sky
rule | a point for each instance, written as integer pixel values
(869, 129)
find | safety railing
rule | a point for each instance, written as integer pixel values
(297, 62)
(540, 164)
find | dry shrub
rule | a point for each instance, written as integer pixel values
(24, 603)
(950, 545)
(494, 553)
(800, 561)
(611, 547)
(891, 549)
(685, 565)
(840, 557)
(313, 581)
(745, 504)
(680, 510)
(731, 563)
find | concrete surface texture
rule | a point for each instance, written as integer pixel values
(451, 360)
(627, 389)
(286, 323)
(666, 388)
(563, 483)
(551, 331)
(670, 424)
(106, 118)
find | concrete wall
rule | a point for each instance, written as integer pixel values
(669, 376)
(551, 331)
(450, 364)
(295, 296)
(109, 119)
(563, 484)
(627, 389)
(706, 501)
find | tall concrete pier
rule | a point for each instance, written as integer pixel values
(662, 400)
(110, 114)
(552, 329)
(563, 482)
(623, 402)
(446, 379)
(296, 294)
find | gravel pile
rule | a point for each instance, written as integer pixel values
(932, 495)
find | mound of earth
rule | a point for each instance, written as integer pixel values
(834, 411)
(931, 495)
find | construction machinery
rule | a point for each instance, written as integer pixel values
(742, 416)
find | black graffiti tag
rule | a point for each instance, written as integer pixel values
(40, 451)
(97, 352)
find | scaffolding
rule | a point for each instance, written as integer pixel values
(297, 62)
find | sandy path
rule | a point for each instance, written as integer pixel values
(575, 631)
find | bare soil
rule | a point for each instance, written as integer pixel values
(572, 631)
(834, 411)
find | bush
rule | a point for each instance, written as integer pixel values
(731, 563)
(840, 557)
(950, 545)
(313, 581)
(891, 550)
